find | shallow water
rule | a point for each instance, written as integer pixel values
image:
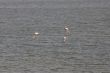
(85, 51)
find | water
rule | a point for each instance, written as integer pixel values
(85, 51)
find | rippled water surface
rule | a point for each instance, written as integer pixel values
(85, 51)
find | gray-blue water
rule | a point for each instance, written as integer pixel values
(87, 49)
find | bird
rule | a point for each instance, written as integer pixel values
(67, 31)
(35, 35)
(66, 28)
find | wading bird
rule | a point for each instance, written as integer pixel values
(35, 35)
(67, 31)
